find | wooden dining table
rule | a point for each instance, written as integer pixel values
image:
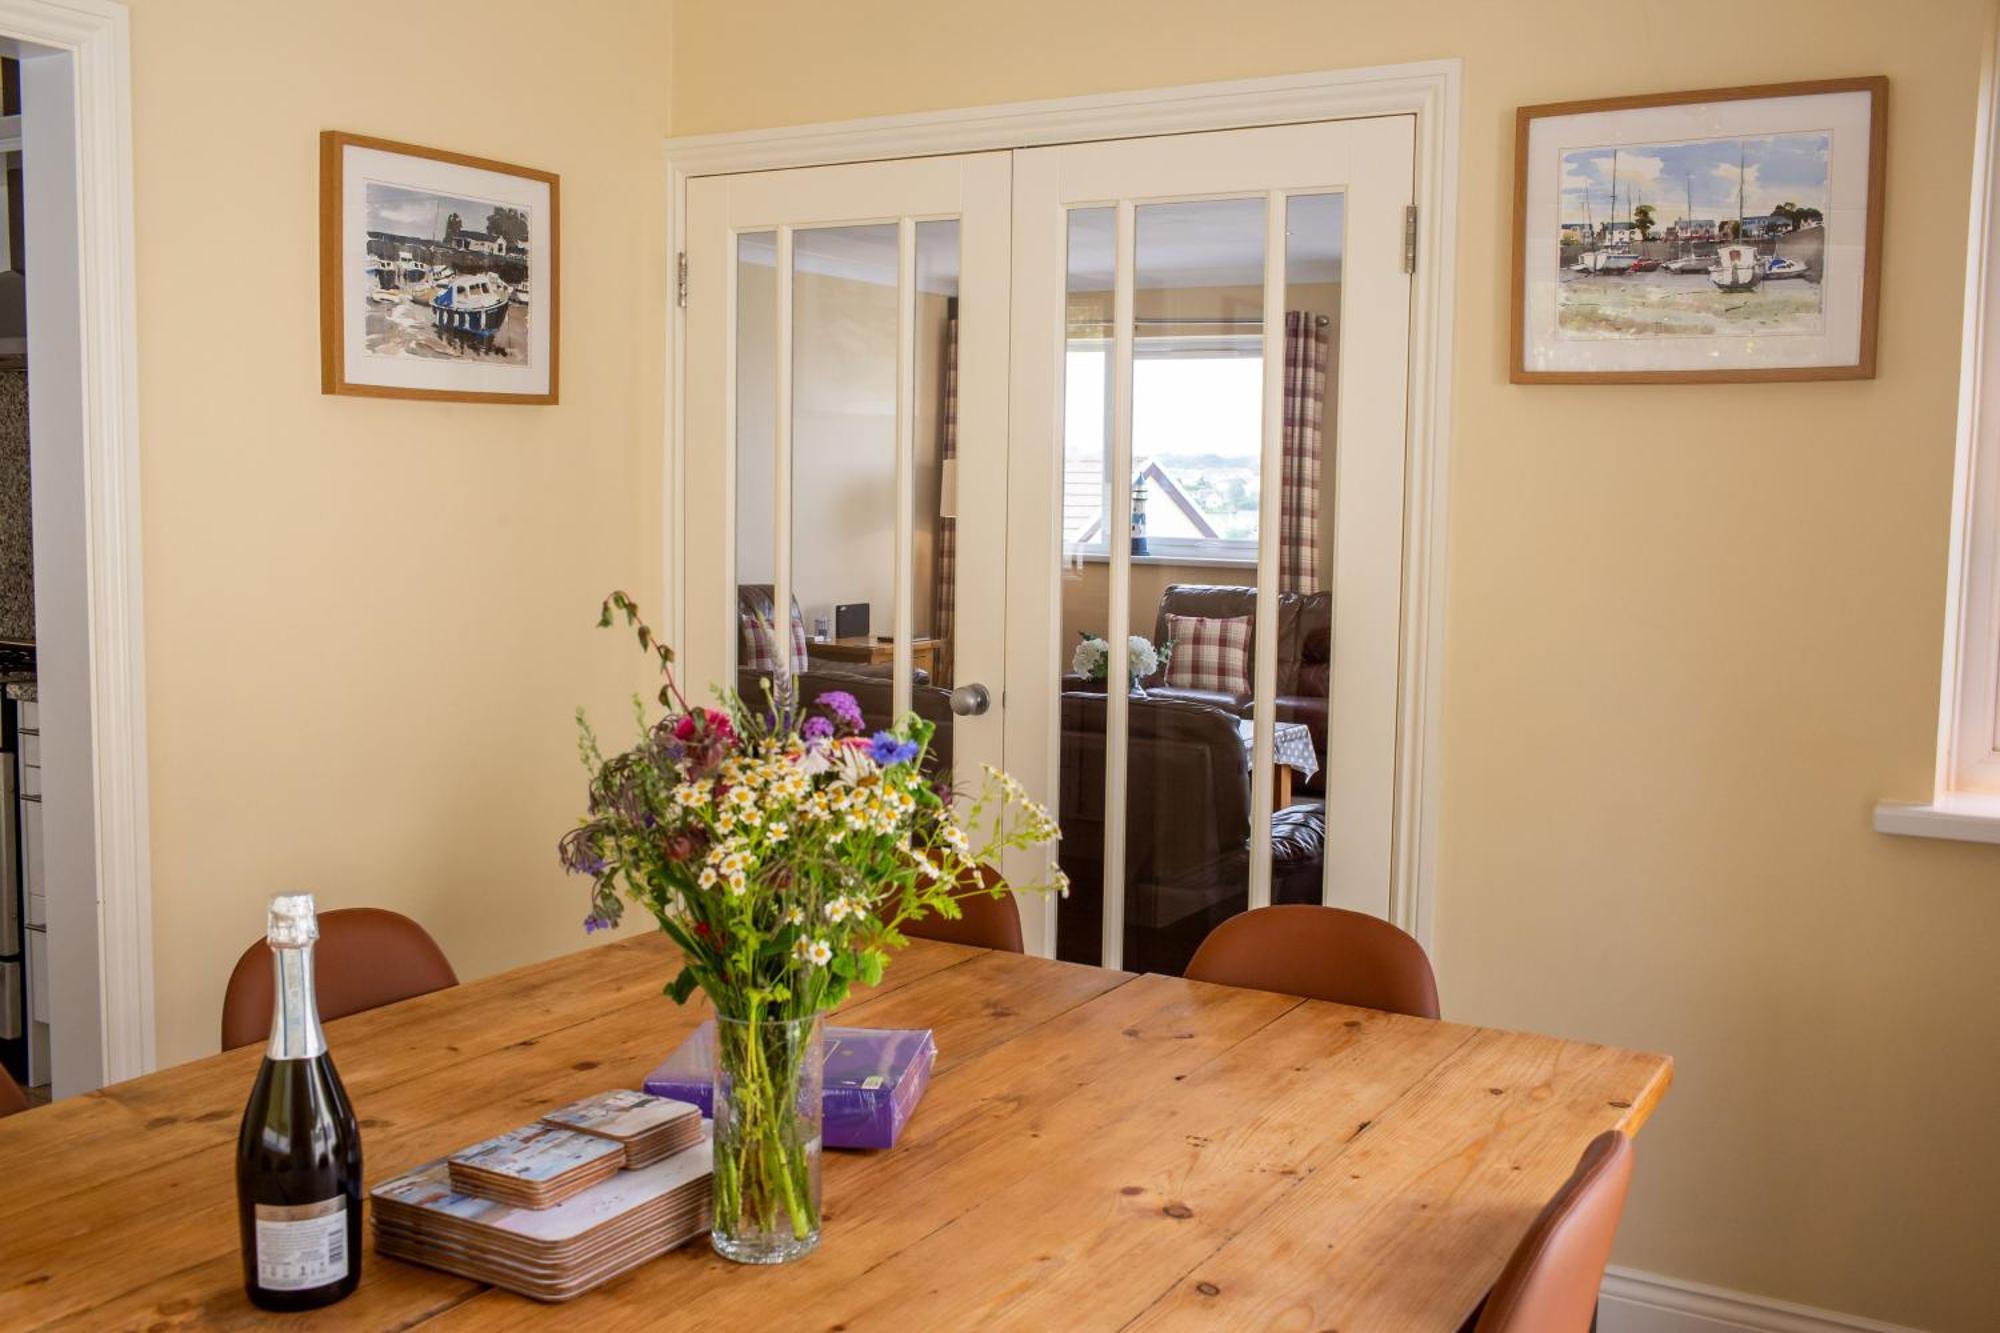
(1097, 1149)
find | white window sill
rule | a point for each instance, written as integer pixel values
(1199, 561)
(1959, 816)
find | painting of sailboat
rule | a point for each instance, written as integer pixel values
(1725, 235)
(1695, 238)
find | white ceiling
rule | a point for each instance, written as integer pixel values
(1206, 243)
(863, 254)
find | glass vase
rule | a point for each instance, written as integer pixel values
(767, 1138)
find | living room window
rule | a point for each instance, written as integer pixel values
(1965, 803)
(1197, 409)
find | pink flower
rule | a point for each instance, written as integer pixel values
(690, 725)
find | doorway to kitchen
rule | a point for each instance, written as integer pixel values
(75, 882)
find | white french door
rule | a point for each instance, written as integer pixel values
(846, 412)
(1009, 401)
(1157, 286)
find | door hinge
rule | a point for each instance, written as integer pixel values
(681, 280)
(1409, 240)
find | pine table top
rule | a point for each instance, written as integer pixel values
(1096, 1150)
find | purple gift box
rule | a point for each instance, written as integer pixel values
(874, 1078)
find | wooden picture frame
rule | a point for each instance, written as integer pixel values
(416, 303)
(1593, 302)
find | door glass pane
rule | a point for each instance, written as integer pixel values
(1197, 443)
(1315, 242)
(843, 463)
(756, 370)
(843, 487)
(934, 477)
(1085, 587)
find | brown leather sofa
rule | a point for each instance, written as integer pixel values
(1187, 831)
(869, 683)
(873, 693)
(1305, 653)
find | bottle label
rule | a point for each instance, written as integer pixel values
(300, 1246)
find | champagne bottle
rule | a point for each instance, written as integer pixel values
(298, 1155)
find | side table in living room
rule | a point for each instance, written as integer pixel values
(867, 649)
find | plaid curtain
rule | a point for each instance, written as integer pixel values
(1299, 495)
(944, 612)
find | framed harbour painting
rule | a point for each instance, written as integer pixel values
(1728, 235)
(439, 274)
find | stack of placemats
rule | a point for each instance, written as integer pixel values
(649, 1127)
(612, 1223)
(535, 1166)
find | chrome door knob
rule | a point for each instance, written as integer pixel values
(971, 700)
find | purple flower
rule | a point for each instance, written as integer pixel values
(844, 708)
(594, 923)
(817, 729)
(887, 750)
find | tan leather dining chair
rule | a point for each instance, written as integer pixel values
(1550, 1284)
(1323, 953)
(988, 923)
(12, 1099)
(366, 957)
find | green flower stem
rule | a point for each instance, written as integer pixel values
(763, 1170)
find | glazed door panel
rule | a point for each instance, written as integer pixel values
(1187, 469)
(846, 412)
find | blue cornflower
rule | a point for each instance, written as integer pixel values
(887, 750)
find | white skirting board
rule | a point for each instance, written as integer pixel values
(1636, 1302)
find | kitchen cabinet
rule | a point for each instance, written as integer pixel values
(34, 889)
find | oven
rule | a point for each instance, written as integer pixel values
(17, 665)
(13, 935)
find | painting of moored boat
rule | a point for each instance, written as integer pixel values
(439, 274)
(1701, 238)
(447, 276)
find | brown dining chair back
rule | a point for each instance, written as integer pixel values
(1550, 1284)
(988, 923)
(1323, 953)
(366, 957)
(12, 1099)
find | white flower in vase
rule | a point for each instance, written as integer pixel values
(1092, 659)
(1088, 660)
(1141, 660)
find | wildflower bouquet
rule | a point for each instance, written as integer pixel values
(780, 846)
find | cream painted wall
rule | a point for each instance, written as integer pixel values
(368, 622)
(1693, 633)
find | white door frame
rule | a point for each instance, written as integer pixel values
(1430, 91)
(96, 36)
